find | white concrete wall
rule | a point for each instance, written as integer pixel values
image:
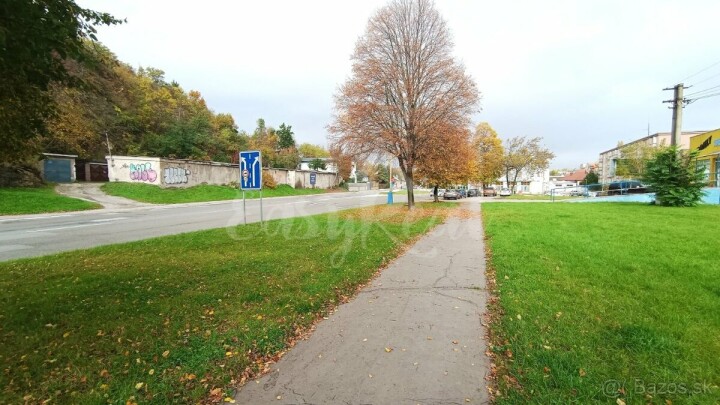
(134, 169)
(186, 173)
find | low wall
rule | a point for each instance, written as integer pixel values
(359, 186)
(188, 173)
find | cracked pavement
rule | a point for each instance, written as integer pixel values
(413, 336)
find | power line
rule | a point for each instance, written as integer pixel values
(704, 91)
(706, 79)
(692, 100)
(707, 96)
(702, 70)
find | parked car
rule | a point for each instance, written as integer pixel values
(505, 192)
(451, 195)
(489, 192)
(626, 187)
(462, 192)
(473, 192)
(440, 191)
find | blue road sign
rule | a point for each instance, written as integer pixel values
(250, 170)
(313, 178)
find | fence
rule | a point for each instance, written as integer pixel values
(623, 187)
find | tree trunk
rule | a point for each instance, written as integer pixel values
(435, 195)
(406, 170)
(507, 179)
(410, 191)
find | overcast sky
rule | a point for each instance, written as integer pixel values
(581, 74)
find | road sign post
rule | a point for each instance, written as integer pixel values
(251, 176)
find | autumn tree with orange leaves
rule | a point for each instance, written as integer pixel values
(405, 89)
(448, 160)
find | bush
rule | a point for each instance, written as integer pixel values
(20, 175)
(674, 176)
(268, 181)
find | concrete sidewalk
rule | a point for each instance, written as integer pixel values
(413, 336)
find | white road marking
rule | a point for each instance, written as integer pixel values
(33, 218)
(109, 219)
(60, 228)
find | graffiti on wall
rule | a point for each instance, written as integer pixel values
(142, 172)
(176, 175)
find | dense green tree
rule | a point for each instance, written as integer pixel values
(36, 37)
(591, 178)
(317, 164)
(675, 177)
(285, 136)
(308, 150)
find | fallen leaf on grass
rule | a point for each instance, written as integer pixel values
(166, 353)
(388, 349)
(582, 373)
(139, 385)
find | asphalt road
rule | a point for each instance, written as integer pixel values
(38, 235)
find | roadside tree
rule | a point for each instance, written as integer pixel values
(489, 150)
(591, 178)
(633, 159)
(343, 162)
(448, 160)
(524, 155)
(308, 150)
(317, 164)
(675, 177)
(404, 88)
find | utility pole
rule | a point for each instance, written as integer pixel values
(678, 102)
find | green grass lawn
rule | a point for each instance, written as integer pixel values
(22, 200)
(175, 195)
(605, 301)
(180, 318)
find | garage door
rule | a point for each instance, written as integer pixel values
(58, 170)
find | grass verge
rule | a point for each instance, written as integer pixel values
(22, 200)
(605, 302)
(175, 195)
(183, 318)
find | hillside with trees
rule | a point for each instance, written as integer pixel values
(137, 110)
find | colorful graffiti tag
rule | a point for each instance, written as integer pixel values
(176, 175)
(142, 172)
